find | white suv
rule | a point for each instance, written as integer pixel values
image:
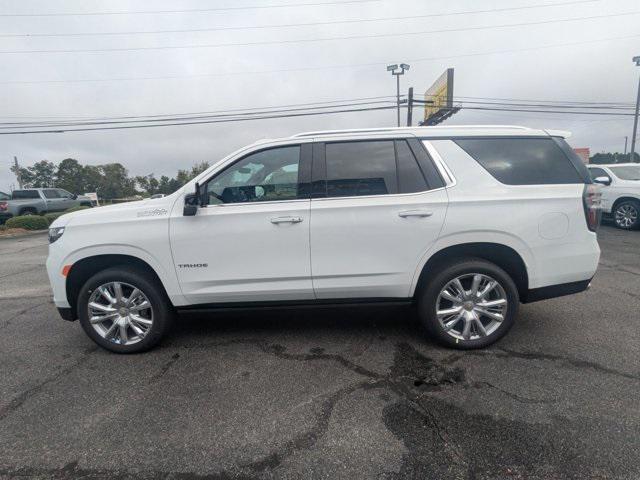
(465, 222)
(620, 192)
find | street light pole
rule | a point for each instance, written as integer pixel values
(398, 70)
(635, 118)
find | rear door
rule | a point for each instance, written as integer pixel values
(377, 207)
(55, 203)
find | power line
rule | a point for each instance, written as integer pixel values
(322, 67)
(178, 117)
(227, 120)
(328, 103)
(195, 10)
(320, 39)
(462, 98)
(288, 25)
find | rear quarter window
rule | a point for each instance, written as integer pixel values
(523, 161)
(24, 194)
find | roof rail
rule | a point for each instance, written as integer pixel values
(353, 130)
(391, 129)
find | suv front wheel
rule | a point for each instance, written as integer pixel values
(123, 310)
(469, 304)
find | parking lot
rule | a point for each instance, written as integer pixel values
(331, 393)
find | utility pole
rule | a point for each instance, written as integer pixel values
(625, 144)
(18, 174)
(410, 107)
(397, 72)
(635, 118)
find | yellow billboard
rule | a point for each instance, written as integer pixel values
(439, 97)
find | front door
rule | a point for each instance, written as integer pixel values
(380, 209)
(251, 242)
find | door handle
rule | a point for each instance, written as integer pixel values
(415, 213)
(286, 220)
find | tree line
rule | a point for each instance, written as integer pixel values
(110, 180)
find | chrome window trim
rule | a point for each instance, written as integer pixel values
(295, 200)
(442, 167)
(386, 195)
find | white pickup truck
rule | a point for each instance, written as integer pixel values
(620, 192)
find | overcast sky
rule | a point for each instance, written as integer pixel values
(595, 71)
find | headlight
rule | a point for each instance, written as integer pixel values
(55, 233)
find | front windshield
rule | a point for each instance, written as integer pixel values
(628, 172)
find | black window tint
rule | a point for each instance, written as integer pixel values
(522, 161)
(24, 194)
(597, 172)
(50, 193)
(410, 178)
(360, 168)
(263, 176)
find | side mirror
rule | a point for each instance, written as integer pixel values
(602, 180)
(74, 196)
(191, 202)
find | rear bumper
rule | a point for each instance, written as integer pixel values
(67, 314)
(552, 291)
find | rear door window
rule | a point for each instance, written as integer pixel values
(50, 193)
(522, 161)
(361, 168)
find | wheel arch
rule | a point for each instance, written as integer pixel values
(625, 198)
(502, 255)
(86, 267)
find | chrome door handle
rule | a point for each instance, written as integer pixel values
(415, 213)
(286, 220)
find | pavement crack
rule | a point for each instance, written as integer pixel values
(19, 400)
(13, 274)
(8, 321)
(165, 368)
(517, 398)
(584, 364)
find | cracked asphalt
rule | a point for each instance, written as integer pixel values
(325, 393)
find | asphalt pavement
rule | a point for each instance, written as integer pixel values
(324, 393)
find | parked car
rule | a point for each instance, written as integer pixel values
(463, 222)
(37, 201)
(620, 192)
(157, 195)
(4, 196)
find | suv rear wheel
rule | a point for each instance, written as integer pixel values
(124, 311)
(627, 215)
(469, 304)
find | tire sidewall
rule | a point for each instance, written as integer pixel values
(162, 309)
(635, 205)
(428, 298)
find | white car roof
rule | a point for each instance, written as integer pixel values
(442, 131)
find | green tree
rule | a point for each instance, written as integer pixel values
(148, 183)
(40, 174)
(608, 157)
(71, 176)
(115, 182)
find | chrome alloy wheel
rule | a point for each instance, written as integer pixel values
(120, 313)
(626, 215)
(471, 306)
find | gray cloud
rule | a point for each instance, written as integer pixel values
(600, 71)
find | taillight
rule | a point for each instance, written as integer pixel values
(3, 206)
(591, 200)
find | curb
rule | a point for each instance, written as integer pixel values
(22, 235)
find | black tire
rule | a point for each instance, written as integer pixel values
(428, 298)
(28, 211)
(622, 212)
(163, 311)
